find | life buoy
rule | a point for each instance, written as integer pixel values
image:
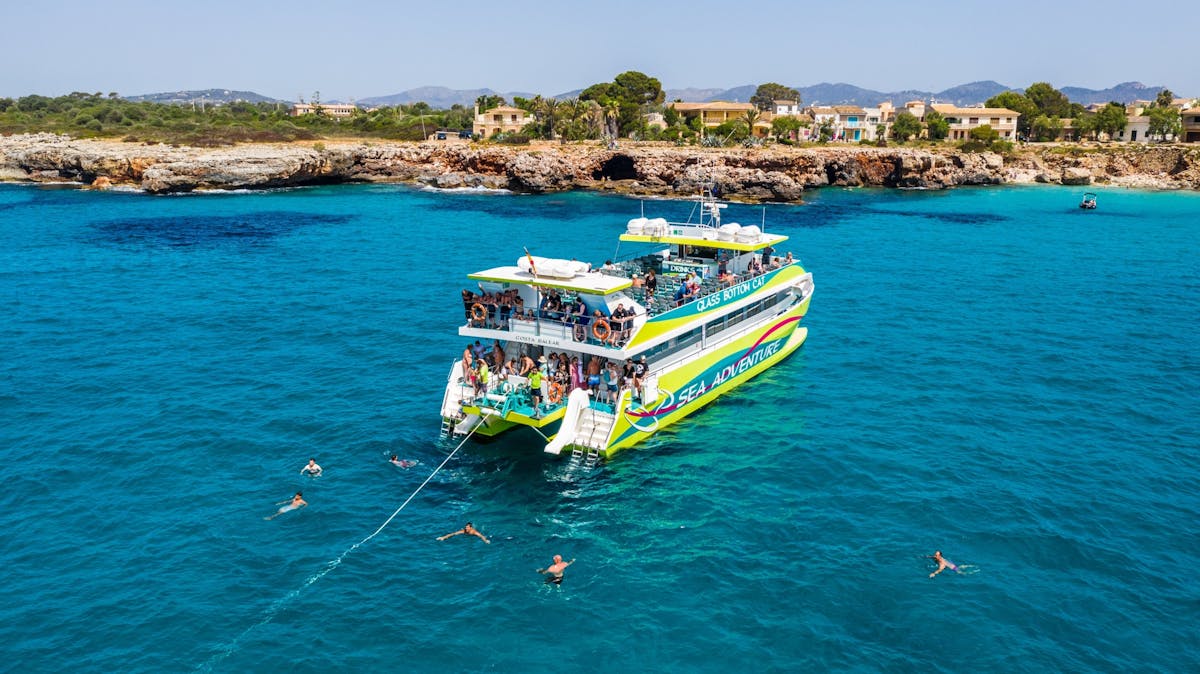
(478, 312)
(601, 330)
(556, 391)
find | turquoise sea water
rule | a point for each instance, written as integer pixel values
(989, 372)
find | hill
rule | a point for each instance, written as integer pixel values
(825, 93)
(205, 95)
(438, 97)
(972, 93)
(1124, 92)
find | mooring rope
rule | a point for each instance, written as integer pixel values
(275, 608)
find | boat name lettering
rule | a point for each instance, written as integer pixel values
(730, 294)
(698, 387)
(534, 339)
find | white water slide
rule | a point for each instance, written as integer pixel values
(577, 403)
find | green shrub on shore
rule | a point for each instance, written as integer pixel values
(85, 115)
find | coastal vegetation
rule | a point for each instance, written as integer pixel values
(1046, 112)
(95, 115)
(631, 106)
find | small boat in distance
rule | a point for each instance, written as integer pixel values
(1089, 200)
(598, 360)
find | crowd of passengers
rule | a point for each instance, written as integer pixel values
(551, 378)
(499, 310)
(690, 286)
(496, 309)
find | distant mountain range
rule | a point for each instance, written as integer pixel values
(205, 95)
(972, 93)
(824, 93)
(441, 97)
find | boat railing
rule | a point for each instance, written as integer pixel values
(581, 328)
(505, 394)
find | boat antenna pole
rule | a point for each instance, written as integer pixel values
(537, 292)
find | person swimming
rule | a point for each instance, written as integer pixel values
(403, 463)
(467, 529)
(554, 572)
(296, 503)
(312, 468)
(943, 564)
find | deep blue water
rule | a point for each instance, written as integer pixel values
(989, 372)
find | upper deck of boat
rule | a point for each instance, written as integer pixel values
(593, 282)
(706, 237)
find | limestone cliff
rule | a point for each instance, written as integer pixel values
(760, 174)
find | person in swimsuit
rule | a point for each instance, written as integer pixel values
(555, 570)
(467, 529)
(312, 468)
(402, 463)
(296, 503)
(943, 564)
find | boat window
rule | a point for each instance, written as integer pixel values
(715, 326)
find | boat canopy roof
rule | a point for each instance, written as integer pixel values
(731, 236)
(594, 283)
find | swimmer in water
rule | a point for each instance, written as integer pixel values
(467, 529)
(943, 564)
(555, 570)
(296, 503)
(312, 468)
(403, 463)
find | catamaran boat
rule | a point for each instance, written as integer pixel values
(723, 308)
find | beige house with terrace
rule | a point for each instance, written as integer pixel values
(338, 110)
(962, 120)
(500, 119)
(716, 113)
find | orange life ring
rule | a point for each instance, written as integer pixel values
(556, 391)
(478, 312)
(601, 330)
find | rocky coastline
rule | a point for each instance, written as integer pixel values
(755, 174)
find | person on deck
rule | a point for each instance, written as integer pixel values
(576, 373)
(612, 383)
(535, 388)
(640, 370)
(593, 376)
(627, 378)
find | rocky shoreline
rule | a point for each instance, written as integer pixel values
(756, 174)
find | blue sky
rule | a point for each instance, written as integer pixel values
(368, 48)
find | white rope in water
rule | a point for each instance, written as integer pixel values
(275, 608)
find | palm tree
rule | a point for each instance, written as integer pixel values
(548, 108)
(576, 111)
(750, 118)
(612, 115)
(594, 117)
